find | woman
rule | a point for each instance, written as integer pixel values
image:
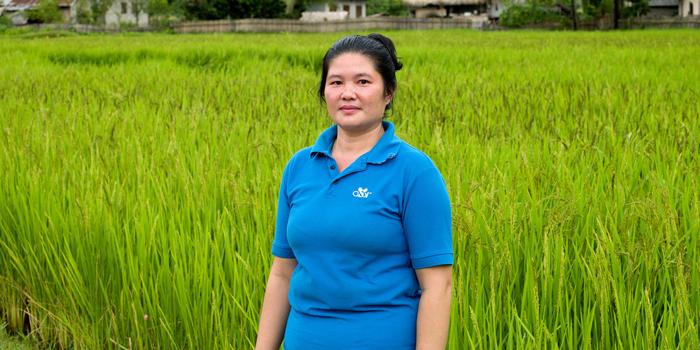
(363, 245)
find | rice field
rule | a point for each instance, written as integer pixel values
(139, 176)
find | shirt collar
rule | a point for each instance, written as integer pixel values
(386, 148)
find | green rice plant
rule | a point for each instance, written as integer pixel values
(140, 175)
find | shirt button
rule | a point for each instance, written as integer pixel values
(332, 167)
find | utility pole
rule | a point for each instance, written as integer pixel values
(573, 13)
(616, 14)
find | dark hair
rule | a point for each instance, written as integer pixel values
(377, 48)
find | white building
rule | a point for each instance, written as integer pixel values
(130, 12)
(330, 10)
(16, 10)
(127, 12)
(445, 8)
(687, 8)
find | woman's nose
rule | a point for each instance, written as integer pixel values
(348, 92)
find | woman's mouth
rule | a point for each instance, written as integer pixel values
(349, 109)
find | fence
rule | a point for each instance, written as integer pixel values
(382, 23)
(358, 24)
(673, 22)
(87, 28)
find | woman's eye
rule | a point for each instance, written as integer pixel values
(335, 82)
(364, 82)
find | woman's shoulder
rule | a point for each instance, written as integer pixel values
(302, 153)
(413, 158)
(298, 157)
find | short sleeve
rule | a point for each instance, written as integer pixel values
(280, 246)
(427, 220)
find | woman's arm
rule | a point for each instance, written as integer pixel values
(434, 308)
(275, 308)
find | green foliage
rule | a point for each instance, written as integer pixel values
(220, 9)
(636, 8)
(139, 181)
(92, 11)
(388, 7)
(138, 8)
(298, 7)
(597, 8)
(83, 12)
(518, 15)
(163, 12)
(15, 343)
(46, 12)
(5, 23)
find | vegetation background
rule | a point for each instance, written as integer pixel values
(139, 176)
(164, 12)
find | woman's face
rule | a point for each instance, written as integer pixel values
(354, 93)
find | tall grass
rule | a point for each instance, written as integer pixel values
(139, 176)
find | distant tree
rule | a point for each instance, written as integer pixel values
(635, 8)
(388, 7)
(5, 22)
(138, 7)
(518, 15)
(98, 9)
(158, 7)
(220, 9)
(298, 7)
(46, 12)
(83, 12)
(262, 8)
(597, 8)
(207, 9)
(163, 12)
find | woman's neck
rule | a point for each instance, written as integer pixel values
(357, 144)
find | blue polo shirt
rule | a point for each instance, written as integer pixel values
(357, 236)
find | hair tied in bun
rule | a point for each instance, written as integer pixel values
(386, 42)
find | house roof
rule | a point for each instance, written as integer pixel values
(663, 3)
(23, 3)
(17, 5)
(423, 3)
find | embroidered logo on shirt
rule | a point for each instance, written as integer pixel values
(361, 193)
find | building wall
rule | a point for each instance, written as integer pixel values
(18, 18)
(660, 12)
(355, 9)
(686, 9)
(122, 11)
(427, 12)
(495, 9)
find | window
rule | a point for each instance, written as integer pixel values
(333, 7)
(358, 11)
(690, 8)
(125, 8)
(346, 8)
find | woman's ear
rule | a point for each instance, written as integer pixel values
(388, 98)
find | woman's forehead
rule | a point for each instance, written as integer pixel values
(352, 64)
